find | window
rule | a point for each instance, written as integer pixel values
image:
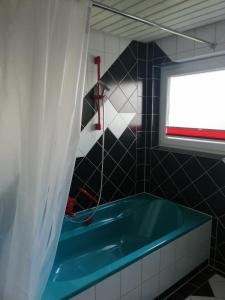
(192, 105)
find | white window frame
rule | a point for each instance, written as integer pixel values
(187, 68)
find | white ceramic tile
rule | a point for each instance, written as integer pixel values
(79, 153)
(127, 117)
(184, 56)
(203, 52)
(117, 126)
(123, 43)
(181, 246)
(217, 284)
(109, 288)
(110, 112)
(183, 266)
(86, 141)
(167, 255)
(96, 41)
(220, 28)
(199, 244)
(150, 265)
(206, 33)
(133, 295)
(130, 277)
(167, 278)
(185, 45)
(220, 48)
(110, 58)
(89, 294)
(90, 81)
(169, 45)
(204, 231)
(112, 44)
(150, 288)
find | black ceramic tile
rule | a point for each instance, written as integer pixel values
(207, 162)
(134, 48)
(117, 71)
(117, 176)
(108, 191)
(181, 157)
(205, 185)
(134, 72)
(142, 51)
(217, 203)
(141, 67)
(85, 169)
(170, 188)
(127, 138)
(141, 156)
(117, 151)
(87, 113)
(109, 165)
(192, 196)
(184, 177)
(218, 174)
(127, 58)
(193, 169)
(180, 178)
(95, 154)
(204, 290)
(110, 140)
(127, 186)
(126, 162)
(170, 164)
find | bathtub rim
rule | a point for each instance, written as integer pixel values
(129, 259)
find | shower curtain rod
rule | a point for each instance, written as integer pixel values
(151, 23)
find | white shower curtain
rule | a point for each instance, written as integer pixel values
(43, 48)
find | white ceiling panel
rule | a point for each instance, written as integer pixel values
(180, 15)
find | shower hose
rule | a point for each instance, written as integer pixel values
(88, 219)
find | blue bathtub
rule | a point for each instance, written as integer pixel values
(122, 232)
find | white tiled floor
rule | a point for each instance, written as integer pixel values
(217, 284)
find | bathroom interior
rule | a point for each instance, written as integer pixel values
(112, 159)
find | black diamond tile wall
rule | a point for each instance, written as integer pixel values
(197, 181)
(133, 161)
(120, 162)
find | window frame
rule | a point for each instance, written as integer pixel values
(187, 68)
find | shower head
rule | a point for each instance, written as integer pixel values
(103, 85)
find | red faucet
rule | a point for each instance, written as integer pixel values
(71, 203)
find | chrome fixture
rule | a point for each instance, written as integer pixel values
(154, 24)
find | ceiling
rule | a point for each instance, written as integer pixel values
(180, 15)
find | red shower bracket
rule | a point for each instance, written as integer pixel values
(86, 193)
(98, 97)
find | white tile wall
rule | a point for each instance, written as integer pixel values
(108, 47)
(89, 294)
(167, 255)
(180, 49)
(156, 272)
(130, 277)
(109, 288)
(133, 295)
(150, 288)
(150, 265)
